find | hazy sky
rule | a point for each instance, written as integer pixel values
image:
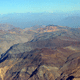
(23, 6)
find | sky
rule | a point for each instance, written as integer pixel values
(38, 6)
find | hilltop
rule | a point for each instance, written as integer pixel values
(5, 26)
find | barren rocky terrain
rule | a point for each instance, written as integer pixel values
(48, 53)
(10, 35)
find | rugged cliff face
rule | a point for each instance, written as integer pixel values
(49, 56)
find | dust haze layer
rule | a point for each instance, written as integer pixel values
(23, 20)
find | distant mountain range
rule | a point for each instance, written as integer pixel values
(71, 21)
(24, 20)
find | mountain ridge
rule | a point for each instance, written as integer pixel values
(49, 55)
